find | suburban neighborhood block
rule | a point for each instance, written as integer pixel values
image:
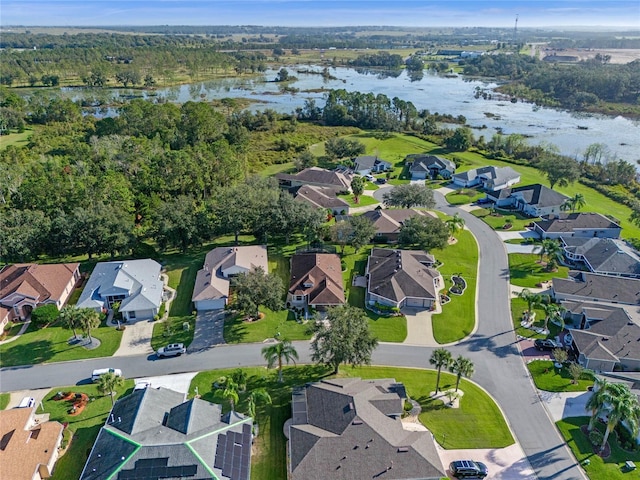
(211, 290)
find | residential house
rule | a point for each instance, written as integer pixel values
(321, 197)
(25, 286)
(316, 281)
(422, 167)
(534, 200)
(577, 224)
(211, 290)
(402, 278)
(29, 444)
(490, 178)
(388, 222)
(319, 177)
(594, 287)
(351, 429)
(369, 164)
(154, 433)
(4, 317)
(606, 256)
(603, 336)
(136, 284)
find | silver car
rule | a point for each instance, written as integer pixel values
(171, 350)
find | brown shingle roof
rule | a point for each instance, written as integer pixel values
(389, 221)
(320, 197)
(324, 272)
(25, 445)
(568, 222)
(42, 282)
(319, 176)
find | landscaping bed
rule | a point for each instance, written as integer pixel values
(551, 379)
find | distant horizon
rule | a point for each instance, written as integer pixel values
(545, 14)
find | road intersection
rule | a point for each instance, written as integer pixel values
(493, 348)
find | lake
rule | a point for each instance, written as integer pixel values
(571, 132)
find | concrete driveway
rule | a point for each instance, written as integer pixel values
(508, 463)
(209, 330)
(419, 328)
(136, 339)
(179, 382)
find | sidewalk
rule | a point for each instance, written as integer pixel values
(17, 335)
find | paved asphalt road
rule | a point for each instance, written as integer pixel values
(498, 365)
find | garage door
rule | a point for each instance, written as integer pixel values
(209, 304)
(417, 302)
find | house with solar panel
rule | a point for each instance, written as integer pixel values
(156, 433)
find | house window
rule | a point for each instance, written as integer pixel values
(299, 298)
(132, 315)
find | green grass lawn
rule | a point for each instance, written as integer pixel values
(363, 201)
(11, 330)
(171, 330)
(74, 297)
(597, 468)
(478, 423)
(283, 321)
(458, 316)
(501, 218)
(548, 378)
(518, 307)
(18, 139)
(51, 345)
(464, 196)
(85, 426)
(4, 400)
(525, 271)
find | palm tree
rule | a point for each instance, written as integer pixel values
(108, 383)
(230, 392)
(240, 377)
(622, 408)
(533, 300)
(278, 351)
(69, 315)
(454, 224)
(88, 319)
(461, 367)
(598, 400)
(259, 395)
(357, 188)
(577, 202)
(553, 311)
(440, 358)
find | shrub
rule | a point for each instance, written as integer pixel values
(44, 315)
(162, 310)
(596, 437)
(343, 265)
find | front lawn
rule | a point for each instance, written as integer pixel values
(172, 330)
(85, 426)
(363, 201)
(498, 219)
(526, 270)
(464, 196)
(478, 423)
(458, 317)
(236, 330)
(550, 379)
(611, 468)
(518, 307)
(4, 400)
(51, 345)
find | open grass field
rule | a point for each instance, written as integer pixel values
(611, 468)
(478, 423)
(17, 139)
(551, 379)
(50, 344)
(458, 317)
(526, 271)
(85, 426)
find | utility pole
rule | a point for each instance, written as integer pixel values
(515, 32)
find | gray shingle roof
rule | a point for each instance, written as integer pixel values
(139, 280)
(591, 286)
(397, 274)
(319, 176)
(495, 175)
(538, 195)
(604, 255)
(422, 163)
(568, 222)
(371, 443)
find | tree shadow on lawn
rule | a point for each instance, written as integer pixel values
(38, 351)
(235, 329)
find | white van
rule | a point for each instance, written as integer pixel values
(95, 376)
(27, 402)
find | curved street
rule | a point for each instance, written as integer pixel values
(499, 368)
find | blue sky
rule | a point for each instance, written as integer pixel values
(501, 13)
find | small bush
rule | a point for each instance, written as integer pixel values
(596, 437)
(44, 315)
(162, 310)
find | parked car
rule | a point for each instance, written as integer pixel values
(27, 402)
(468, 469)
(546, 344)
(171, 350)
(381, 180)
(95, 376)
(370, 177)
